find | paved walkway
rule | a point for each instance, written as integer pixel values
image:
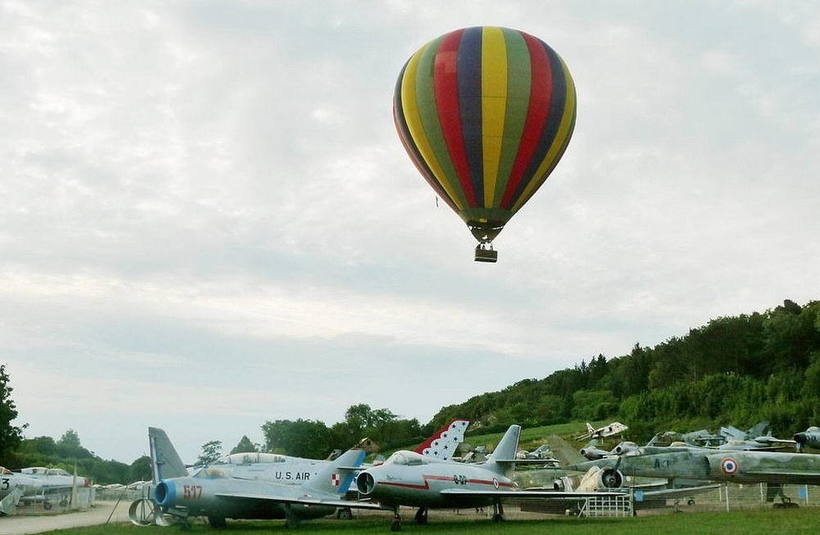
(23, 524)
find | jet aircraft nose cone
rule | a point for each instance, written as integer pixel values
(365, 483)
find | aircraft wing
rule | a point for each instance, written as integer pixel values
(551, 461)
(676, 493)
(529, 494)
(797, 476)
(303, 500)
(772, 440)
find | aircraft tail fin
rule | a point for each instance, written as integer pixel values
(443, 443)
(165, 461)
(758, 429)
(562, 451)
(503, 457)
(337, 475)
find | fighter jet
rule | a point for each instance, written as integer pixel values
(687, 462)
(36, 484)
(213, 493)
(542, 453)
(407, 478)
(653, 491)
(752, 439)
(810, 437)
(615, 428)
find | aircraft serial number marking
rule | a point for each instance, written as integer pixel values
(191, 492)
(460, 480)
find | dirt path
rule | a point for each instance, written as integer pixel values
(20, 525)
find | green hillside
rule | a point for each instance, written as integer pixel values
(733, 370)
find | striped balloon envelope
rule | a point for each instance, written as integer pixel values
(485, 113)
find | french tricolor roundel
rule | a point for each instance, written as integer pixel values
(728, 466)
(335, 480)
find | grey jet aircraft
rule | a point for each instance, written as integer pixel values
(36, 484)
(407, 478)
(213, 493)
(615, 428)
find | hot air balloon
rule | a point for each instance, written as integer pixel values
(485, 113)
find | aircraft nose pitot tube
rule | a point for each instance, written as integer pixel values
(365, 483)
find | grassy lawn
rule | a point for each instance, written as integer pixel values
(804, 520)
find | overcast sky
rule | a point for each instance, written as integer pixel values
(207, 219)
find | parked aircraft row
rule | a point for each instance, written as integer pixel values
(421, 479)
(742, 457)
(262, 485)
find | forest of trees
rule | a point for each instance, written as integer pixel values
(68, 451)
(312, 438)
(734, 370)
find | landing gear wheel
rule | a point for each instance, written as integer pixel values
(291, 520)
(344, 513)
(395, 525)
(498, 512)
(421, 516)
(47, 506)
(690, 501)
(217, 522)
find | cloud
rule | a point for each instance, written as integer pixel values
(201, 187)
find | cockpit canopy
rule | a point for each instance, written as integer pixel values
(251, 458)
(409, 458)
(43, 471)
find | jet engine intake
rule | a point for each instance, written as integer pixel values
(593, 454)
(365, 483)
(612, 479)
(625, 447)
(563, 484)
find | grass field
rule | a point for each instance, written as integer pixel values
(804, 520)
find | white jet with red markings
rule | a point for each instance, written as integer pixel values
(407, 478)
